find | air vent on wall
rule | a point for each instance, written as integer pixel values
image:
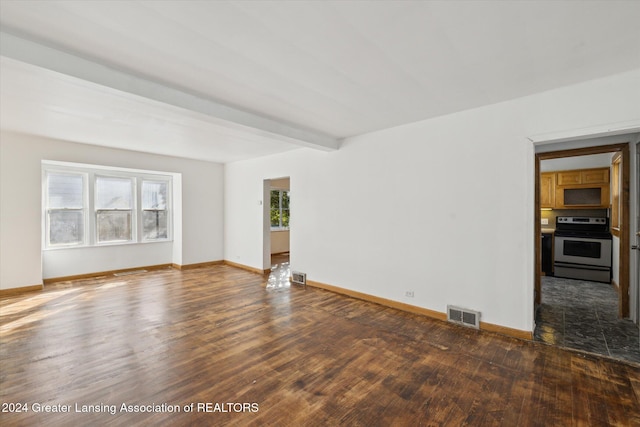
(464, 317)
(299, 278)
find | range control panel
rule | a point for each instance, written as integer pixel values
(580, 220)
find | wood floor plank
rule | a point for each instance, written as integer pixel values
(305, 356)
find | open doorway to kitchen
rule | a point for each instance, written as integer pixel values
(575, 308)
(277, 230)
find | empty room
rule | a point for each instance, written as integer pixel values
(318, 213)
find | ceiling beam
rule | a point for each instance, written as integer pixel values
(28, 51)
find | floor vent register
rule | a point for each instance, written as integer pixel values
(463, 316)
(299, 278)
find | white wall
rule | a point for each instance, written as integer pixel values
(280, 184)
(74, 261)
(198, 234)
(579, 162)
(279, 241)
(443, 207)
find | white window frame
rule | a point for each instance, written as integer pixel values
(134, 197)
(90, 173)
(45, 203)
(280, 227)
(167, 209)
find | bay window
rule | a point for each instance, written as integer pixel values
(114, 209)
(154, 210)
(65, 209)
(84, 206)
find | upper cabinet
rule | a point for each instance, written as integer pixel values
(585, 188)
(595, 176)
(548, 190)
(584, 176)
(568, 178)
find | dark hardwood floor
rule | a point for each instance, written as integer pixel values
(281, 356)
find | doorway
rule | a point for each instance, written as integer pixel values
(277, 241)
(563, 288)
(623, 257)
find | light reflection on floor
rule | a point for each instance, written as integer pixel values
(280, 272)
(38, 299)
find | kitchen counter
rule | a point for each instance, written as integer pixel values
(548, 230)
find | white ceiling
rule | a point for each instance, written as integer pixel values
(42, 102)
(332, 68)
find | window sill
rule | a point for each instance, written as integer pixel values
(280, 229)
(106, 245)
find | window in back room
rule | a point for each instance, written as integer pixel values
(280, 209)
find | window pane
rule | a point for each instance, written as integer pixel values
(275, 199)
(66, 227)
(154, 225)
(114, 226)
(275, 217)
(113, 193)
(285, 217)
(285, 200)
(64, 191)
(154, 195)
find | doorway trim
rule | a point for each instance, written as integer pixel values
(623, 294)
(266, 225)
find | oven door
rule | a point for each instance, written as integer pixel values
(583, 250)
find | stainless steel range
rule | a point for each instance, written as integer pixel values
(582, 248)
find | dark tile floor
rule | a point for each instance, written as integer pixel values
(584, 315)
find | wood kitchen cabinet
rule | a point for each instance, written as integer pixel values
(583, 188)
(595, 176)
(568, 178)
(548, 190)
(583, 176)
